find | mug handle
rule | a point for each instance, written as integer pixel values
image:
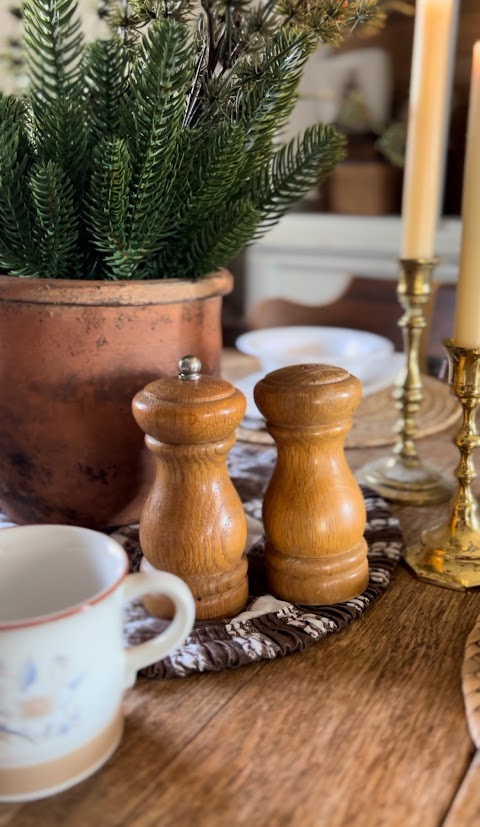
(134, 585)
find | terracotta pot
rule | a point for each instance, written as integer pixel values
(72, 356)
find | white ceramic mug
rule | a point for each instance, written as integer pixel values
(63, 666)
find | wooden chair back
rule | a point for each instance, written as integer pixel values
(366, 304)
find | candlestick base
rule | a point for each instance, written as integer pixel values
(449, 554)
(403, 477)
(406, 481)
(447, 558)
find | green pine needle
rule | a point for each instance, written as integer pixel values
(155, 153)
(55, 220)
(54, 48)
(293, 170)
(108, 203)
(65, 139)
(106, 79)
(220, 238)
(158, 93)
(16, 241)
(219, 167)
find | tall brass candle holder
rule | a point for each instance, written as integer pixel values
(403, 477)
(449, 554)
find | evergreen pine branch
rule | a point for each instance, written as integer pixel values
(124, 24)
(213, 170)
(54, 41)
(17, 253)
(108, 203)
(328, 20)
(65, 138)
(189, 144)
(214, 100)
(293, 170)
(238, 31)
(55, 220)
(210, 168)
(259, 27)
(221, 237)
(148, 10)
(268, 90)
(200, 49)
(158, 91)
(106, 80)
(153, 154)
(260, 91)
(13, 263)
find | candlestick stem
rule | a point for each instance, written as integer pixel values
(449, 554)
(414, 291)
(403, 477)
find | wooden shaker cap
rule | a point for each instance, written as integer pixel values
(311, 394)
(189, 410)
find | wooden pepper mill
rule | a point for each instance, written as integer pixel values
(313, 511)
(193, 523)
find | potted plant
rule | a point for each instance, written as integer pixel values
(134, 167)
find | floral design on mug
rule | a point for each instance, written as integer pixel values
(39, 701)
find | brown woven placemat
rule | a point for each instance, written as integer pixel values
(267, 628)
(376, 416)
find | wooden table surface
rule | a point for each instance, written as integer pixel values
(366, 729)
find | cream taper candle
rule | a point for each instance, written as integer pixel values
(467, 314)
(428, 103)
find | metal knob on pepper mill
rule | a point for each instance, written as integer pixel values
(313, 510)
(193, 523)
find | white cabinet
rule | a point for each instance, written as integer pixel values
(309, 257)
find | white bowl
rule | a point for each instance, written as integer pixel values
(363, 354)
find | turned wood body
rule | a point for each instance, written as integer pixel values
(193, 523)
(313, 510)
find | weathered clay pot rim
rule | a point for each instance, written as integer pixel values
(114, 293)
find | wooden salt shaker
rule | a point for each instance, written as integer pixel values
(193, 523)
(313, 511)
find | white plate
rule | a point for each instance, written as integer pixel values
(362, 353)
(395, 363)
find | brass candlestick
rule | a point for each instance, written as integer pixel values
(403, 477)
(449, 554)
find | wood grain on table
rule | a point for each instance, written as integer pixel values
(366, 729)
